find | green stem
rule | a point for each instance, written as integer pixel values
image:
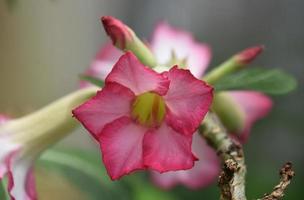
(142, 52)
(222, 70)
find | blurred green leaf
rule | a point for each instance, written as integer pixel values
(143, 189)
(93, 80)
(84, 170)
(3, 192)
(273, 81)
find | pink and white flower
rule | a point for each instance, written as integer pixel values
(174, 46)
(21, 184)
(143, 119)
(103, 63)
(22, 140)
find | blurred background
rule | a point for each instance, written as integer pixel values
(45, 45)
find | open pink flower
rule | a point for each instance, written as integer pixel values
(143, 119)
(174, 46)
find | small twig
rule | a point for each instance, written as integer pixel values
(286, 174)
(232, 177)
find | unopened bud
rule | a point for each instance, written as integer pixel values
(119, 33)
(233, 64)
(124, 38)
(248, 55)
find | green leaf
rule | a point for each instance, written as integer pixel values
(273, 81)
(144, 190)
(93, 80)
(3, 192)
(85, 171)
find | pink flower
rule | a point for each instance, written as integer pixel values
(21, 184)
(143, 119)
(22, 140)
(168, 41)
(202, 174)
(174, 46)
(253, 105)
(103, 63)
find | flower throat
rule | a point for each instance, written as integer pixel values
(149, 109)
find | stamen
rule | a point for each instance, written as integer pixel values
(149, 109)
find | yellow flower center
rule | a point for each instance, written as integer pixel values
(149, 109)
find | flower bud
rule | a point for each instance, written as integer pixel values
(248, 55)
(125, 39)
(233, 64)
(119, 33)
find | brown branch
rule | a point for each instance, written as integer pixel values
(232, 177)
(286, 174)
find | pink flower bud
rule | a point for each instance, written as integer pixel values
(248, 55)
(119, 33)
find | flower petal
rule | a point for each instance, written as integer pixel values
(112, 102)
(3, 119)
(188, 100)
(204, 172)
(103, 63)
(121, 146)
(166, 39)
(21, 182)
(6, 148)
(255, 105)
(129, 72)
(167, 150)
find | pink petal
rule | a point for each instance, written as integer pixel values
(204, 172)
(112, 102)
(167, 150)
(121, 146)
(6, 148)
(166, 39)
(21, 182)
(255, 105)
(103, 62)
(188, 100)
(129, 72)
(3, 119)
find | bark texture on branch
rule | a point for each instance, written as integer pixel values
(286, 174)
(232, 177)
